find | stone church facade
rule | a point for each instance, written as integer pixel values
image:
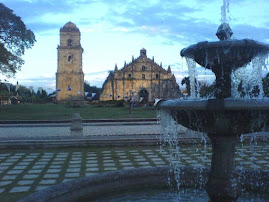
(142, 80)
(69, 76)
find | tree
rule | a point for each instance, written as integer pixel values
(42, 97)
(248, 90)
(14, 39)
(92, 89)
(207, 91)
(24, 94)
(186, 81)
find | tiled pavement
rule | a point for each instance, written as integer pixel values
(24, 171)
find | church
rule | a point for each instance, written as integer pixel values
(69, 76)
(141, 80)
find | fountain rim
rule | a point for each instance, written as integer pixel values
(102, 183)
(204, 104)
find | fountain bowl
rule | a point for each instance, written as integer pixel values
(220, 116)
(230, 54)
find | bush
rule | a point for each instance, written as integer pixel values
(71, 104)
(111, 103)
(119, 103)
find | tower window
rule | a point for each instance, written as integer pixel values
(143, 68)
(69, 42)
(69, 58)
(129, 75)
(157, 76)
(143, 76)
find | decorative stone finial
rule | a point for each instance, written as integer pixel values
(116, 67)
(169, 69)
(224, 32)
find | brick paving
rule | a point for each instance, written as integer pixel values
(24, 172)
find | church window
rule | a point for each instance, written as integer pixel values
(157, 76)
(69, 42)
(143, 76)
(143, 68)
(69, 58)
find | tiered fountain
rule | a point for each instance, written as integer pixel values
(224, 119)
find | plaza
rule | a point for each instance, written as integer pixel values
(26, 170)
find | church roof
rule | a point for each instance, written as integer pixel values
(70, 27)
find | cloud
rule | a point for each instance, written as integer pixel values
(42, 15)
(187, 23)
(48, 81)
(169, 20)
(34, 9)
(183, 21)
(247, 31)
(96, 78)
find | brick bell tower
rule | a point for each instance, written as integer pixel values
(69, 76)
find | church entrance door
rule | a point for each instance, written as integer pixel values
(144, 96)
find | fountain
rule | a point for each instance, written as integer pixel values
(223, 118)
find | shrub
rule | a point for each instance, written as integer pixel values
(119, 103)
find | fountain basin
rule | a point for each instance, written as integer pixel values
(220, 116)
(95, 187)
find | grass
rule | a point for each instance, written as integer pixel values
(61, 112)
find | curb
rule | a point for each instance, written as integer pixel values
(69, 121)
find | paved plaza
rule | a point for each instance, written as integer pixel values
(94, 134)
(89, 129)
(24, 171)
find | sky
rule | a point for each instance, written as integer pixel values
(112, 31)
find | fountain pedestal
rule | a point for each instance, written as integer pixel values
(223, 184)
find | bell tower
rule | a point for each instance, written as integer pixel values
(69, 76)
